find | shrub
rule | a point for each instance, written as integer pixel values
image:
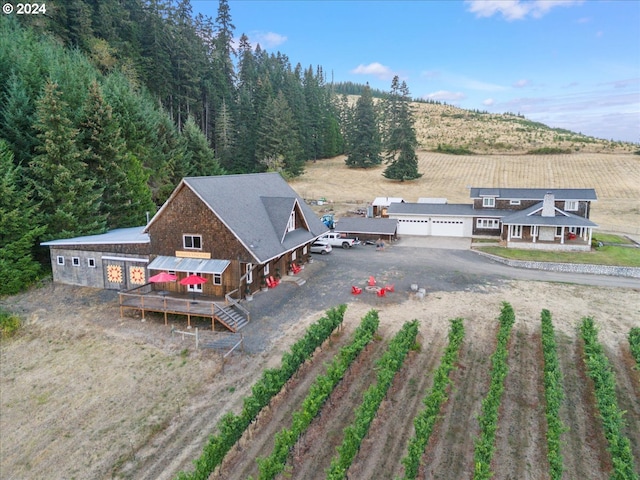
(9, 324)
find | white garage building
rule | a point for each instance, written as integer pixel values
(433, 219)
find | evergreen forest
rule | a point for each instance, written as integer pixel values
(106, 105)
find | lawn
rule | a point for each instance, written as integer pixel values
(607, 255)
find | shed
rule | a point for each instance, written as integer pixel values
(381, 204)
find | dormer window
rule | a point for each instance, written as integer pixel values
(489, 202)
(192, 242)
(291, 224)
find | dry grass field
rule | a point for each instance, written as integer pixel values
(615, 177)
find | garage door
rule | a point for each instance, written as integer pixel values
(407, 226)
(447, 227)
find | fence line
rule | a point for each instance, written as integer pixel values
(183, 333)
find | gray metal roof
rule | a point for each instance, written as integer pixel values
(117, 236)
(433, 209)
(194, 265)
(534, 193)
(376, 226)
(256, 208)
(531, 216)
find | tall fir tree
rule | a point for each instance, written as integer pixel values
(202, 160)
(126, 196)
(278, 148)
(400, 141)
(365, 145)
(69, 198)
(19, 229)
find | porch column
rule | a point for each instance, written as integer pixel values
(590, 232)
(562, 236)
(534, 232)
(509, 233)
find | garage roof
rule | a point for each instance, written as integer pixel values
(375, 226)
(534, 193)
(433, 209)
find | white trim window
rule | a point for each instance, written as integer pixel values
(514, 202)
(248, 268)
(217, 279)
(571, 205)
(265, 270)
(488, 223)
(489, 202)
(60, 260)
(91, 262)
(192, 242)
(75, 261)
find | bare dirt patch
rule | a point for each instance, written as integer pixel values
(85, 394)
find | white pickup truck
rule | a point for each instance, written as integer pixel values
(337, 240)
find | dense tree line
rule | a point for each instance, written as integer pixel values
(105, 105)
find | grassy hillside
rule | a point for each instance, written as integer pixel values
(501, 133)
(456, 130)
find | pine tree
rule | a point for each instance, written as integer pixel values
(16, 118)
(69, 200)
(19, 229)
(125, 193)
(365, 147)
(400, 137)
(202, 161)
(278, 149)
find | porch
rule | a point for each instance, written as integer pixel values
(227, 310)
(543, 237)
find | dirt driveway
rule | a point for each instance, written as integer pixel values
(85, 394)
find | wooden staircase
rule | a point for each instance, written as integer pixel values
(231, 317)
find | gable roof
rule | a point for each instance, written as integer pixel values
(533, 216)
(535, 193)
(256, 208)
(386, 201)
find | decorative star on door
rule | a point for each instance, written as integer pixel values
(136, 275)
(114, 273)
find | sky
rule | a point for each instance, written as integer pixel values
(569, 64)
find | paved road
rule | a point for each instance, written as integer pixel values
(330, 277)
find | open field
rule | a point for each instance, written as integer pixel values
(615, 177)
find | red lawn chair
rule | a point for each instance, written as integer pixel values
(381, 292)
(390, 288)
(356, 290)
(372, 281)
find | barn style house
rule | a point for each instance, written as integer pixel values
(231, 233)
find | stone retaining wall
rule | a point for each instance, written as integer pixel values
(633, 272)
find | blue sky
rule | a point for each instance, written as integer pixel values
(568, 64)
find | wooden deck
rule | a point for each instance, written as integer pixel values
(226, 310)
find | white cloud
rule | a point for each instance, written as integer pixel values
(376, 69)
(521, 83)
(267, 39)
(516, 9)
(445, 96)
(488, 102)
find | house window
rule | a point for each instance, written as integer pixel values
(75, 261)
(514, 202)
(492, 223)
(249, 271)
(91, 262)
(192, 242)
(265, 271)
(489, 202)
(294, 255)
(305, 249)
(196, 288)
(60, 260)
(571, 206)
(217, 279)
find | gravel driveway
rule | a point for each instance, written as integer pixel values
(409, 261)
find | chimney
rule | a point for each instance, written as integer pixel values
(548, 205)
